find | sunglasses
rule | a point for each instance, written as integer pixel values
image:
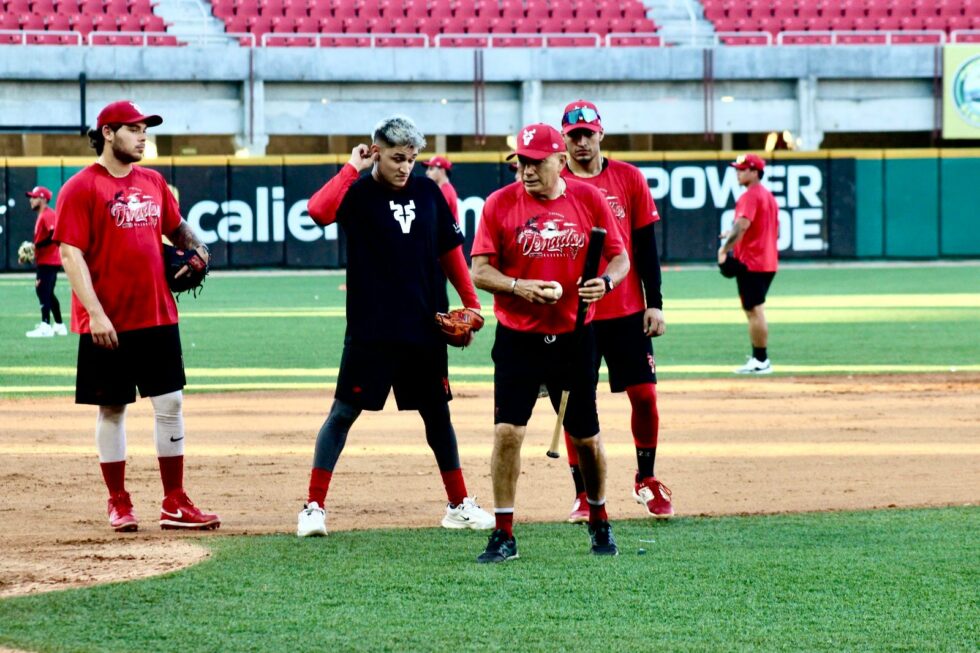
(585, 114)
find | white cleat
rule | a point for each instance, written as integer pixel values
(42, 330)
(59, 329)
(755, 366)
(468, 515)
(312, 521)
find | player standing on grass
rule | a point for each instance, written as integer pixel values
(752, 240)
(624, 322)
(402, 244)
(48, 261)
(532, 234)
(111, 219)
(439, 169)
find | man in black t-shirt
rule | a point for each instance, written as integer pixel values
(402, 244)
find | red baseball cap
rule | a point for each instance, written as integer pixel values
(438, 162)
(749, 162)
(581, 114)
(39, 191)
(538, 142)
(126, 112)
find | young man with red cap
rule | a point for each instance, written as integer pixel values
(112, 216)
(626, 320)
(533, 237)
(48, 262)
(752, 240)
(438, 170)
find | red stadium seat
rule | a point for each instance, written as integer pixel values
(331, 25)
(283, 24)
(56, 23)
(18, 7)
(513, 9)
(537, 10)
(248, 10)
(355, 25)
(259, 25)
(128, 23)
(634, 10)
(609, 9)
(236, 25)
(477, 25)
(416, 9)
(320, 10)
(223, 11)
(808, 10)
(66, 7)
(271, 8)
(345, 11)
(140, 7)
(644, 25)
(307, 25)
(42, 7)
(153, 23)
(441, 9)
(487, 9)
(794, 24)
(584, 12)
(116, 7)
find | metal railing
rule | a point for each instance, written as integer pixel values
(720, 38)
(541, 40)
(860, 37)
(25, 34)
(961, 36)
(338, 40)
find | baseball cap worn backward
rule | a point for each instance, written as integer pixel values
(581, 114)
(538, 142)
(39, 191)
(749, 162)
(438, 162)
(126, 112)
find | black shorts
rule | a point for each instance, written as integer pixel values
(524, 361)
(418, 374)
(148, 359)
(752, 287)
(627, 349)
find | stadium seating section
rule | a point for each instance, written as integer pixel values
(57, 22)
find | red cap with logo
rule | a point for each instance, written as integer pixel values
(126, 112)
(538, 142)
(39, 191)
(438, 162)
(749, 162)
(581, 114)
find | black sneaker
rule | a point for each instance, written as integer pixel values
(500, 548)
(603, 543)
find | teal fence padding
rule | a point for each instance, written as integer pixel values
(911, 208)
(869, 204)
(958, 206)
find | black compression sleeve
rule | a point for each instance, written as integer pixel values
(647, 263)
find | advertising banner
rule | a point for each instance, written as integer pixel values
(961, 91)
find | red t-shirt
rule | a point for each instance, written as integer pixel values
(43, 229)
(529, 238)
(757, 247)
(118, 225)
(452, 198)
(628, 194)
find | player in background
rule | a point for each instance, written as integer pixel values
(112, 216)
(439, 170)
(627, 319)
(752, 240)
(402, 244)
(534, 233)
(47, 258)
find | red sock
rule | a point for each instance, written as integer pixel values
(505, 522)
(645, 419)
(597, 514)
(572, 452)
(171, 473)
(319, 484)
(114, 475)
(455, 486)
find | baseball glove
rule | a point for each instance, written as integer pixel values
(25, 253)
(458, 324)
(732, 267)
(197, 269)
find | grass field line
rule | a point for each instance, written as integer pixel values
(757, 449)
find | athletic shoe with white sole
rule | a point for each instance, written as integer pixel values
(312, 521)
(59, 329)
(755, 366)
(121, 516)
(42, 330)
(655, 496)
(580, 510)
(468, 515)
(603, 543)
(179, 512)
(500, 548)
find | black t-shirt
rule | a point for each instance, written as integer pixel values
(395, 284)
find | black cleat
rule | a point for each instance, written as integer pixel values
(500, 548)
(603, 543)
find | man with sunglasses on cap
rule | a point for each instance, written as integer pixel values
(112, 216)
(47, 258)
(439, 169)
(633, 314)
(752, 241)
(534, 234)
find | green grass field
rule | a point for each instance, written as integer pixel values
(882, 581)
(286, 331)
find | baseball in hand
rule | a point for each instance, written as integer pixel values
(554, 292)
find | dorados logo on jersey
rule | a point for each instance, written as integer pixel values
(134, 208)
(404, 214)
(550, 235)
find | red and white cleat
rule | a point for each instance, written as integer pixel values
(178, 511)
(580, 510)
(121, 516)
(656, 496)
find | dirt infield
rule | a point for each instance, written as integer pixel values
(735, 446)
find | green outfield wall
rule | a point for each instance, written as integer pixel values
(841, 204)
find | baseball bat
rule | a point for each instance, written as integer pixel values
(591, 269)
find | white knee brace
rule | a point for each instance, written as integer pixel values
(168, 424)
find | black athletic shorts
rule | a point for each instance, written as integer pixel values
(369, 371)
(627, 349)
(752, 287)
(148, 359)
(524, 361)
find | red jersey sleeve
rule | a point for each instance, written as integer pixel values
(454, 265)
(485, 242)
(642, 206)
(613, 244)
(747, 206)
(42, 229)
(325, 203)
(74, 225)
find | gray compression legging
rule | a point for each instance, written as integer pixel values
(439, 434)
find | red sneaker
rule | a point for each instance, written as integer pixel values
(121, 516)
(656, 496)
(178, 511)
(580, 511)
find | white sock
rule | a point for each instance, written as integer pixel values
(110, 433)
(168, 424)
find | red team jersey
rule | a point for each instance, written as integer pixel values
(451, 198)
(43, 229)
(757, 247)
(529, 238)
(632, 206)
(118, 224)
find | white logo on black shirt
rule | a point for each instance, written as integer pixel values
(404, 214)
